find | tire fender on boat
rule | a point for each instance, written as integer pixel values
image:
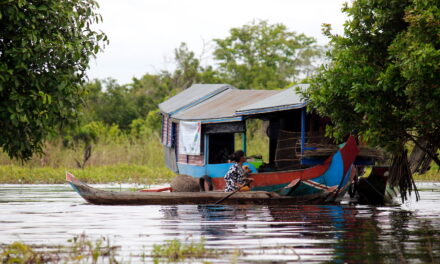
(208, 180)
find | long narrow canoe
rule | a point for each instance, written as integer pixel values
(102, 197)
(325, 183)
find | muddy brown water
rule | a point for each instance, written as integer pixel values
(345, 233)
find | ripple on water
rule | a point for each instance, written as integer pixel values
(52, 214)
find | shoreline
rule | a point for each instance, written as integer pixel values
(118, 173)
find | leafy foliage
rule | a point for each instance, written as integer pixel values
(79, 250)
(114, 104)
(264, 56)
(384, 73)
(177, 251)
(45, 47)
(42, 76)
(383, 78)
(348, 90)
(416, 52)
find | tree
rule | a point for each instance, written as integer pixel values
(188, 66)
(189, 70)
(45, 48)
(112, 103)
(383, 79)
(264, 56)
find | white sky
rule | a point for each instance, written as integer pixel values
(144, 33)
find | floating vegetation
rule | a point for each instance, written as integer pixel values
(79, 250)
(421, 245)
(176, 251)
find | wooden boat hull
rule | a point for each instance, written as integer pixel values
(102, 197)
(325, 183)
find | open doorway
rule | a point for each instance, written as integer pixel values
(221, 145)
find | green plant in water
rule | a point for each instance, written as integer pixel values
(176, 251)
(80, 250)
(18, 252)
(83, 248)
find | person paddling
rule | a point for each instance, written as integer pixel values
(236, 176)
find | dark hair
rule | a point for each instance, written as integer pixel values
(236, 156)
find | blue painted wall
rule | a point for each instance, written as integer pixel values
(212, 170)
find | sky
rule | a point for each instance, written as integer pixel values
(144, 33)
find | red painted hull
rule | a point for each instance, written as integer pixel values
(315, 177)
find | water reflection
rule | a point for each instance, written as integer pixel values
(306, 233)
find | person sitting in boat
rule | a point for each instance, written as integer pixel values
(236, 176)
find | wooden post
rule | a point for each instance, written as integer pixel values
(243, 142)
(206, 149)
(303, 130)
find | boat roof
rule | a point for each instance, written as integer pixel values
(191, 96)
(284, 100)
(223, 106)
(216, 103)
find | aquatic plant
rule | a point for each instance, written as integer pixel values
(79, 250)
(82, 248)
(19, 252)
(177, 251)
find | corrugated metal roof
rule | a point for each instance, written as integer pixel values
(284, 100)
(222, 107)
(193, 95)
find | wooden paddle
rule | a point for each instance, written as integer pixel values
(247, 182)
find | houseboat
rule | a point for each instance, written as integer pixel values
(201, 125)
(205, 123)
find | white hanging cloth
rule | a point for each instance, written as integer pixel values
(189, 138)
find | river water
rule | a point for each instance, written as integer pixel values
(345, 233)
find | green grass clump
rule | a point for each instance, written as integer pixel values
(123, 150)
(127, 173)
(80, 249)
(432, 175)
(18, 252)
(119, 159)
(176, 251)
